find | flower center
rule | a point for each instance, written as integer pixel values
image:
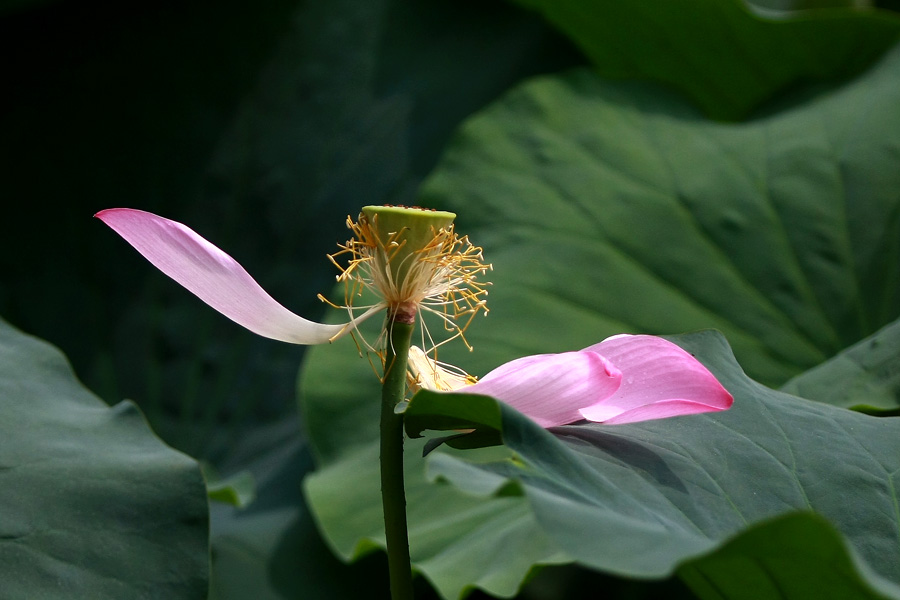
(413, 261)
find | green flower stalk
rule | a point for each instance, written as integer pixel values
(393, 488)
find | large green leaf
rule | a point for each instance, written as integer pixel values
(865, 376)
(613, 207)
(94, 505)
(723, 56)
(799, 555)
(639, 500)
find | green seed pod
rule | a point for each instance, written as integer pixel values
(406, 236)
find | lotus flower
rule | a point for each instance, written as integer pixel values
(409, 257)
(623, 379)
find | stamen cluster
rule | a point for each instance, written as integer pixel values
(436, 273)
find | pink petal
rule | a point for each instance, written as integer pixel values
(659, 380)
(659, 410)
(215, 277)
(551, 388)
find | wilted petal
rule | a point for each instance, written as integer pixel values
(215, 277)
(427, 374)
(659, 380)
(551, 388)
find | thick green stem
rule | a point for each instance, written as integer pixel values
(393, 495)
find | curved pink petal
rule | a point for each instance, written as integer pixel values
(215, 277)
(551, 388)
(659, 380)
(659, 410)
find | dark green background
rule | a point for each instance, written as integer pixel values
(261, 126)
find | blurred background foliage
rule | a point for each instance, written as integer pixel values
(263, 129)
(262, 126)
